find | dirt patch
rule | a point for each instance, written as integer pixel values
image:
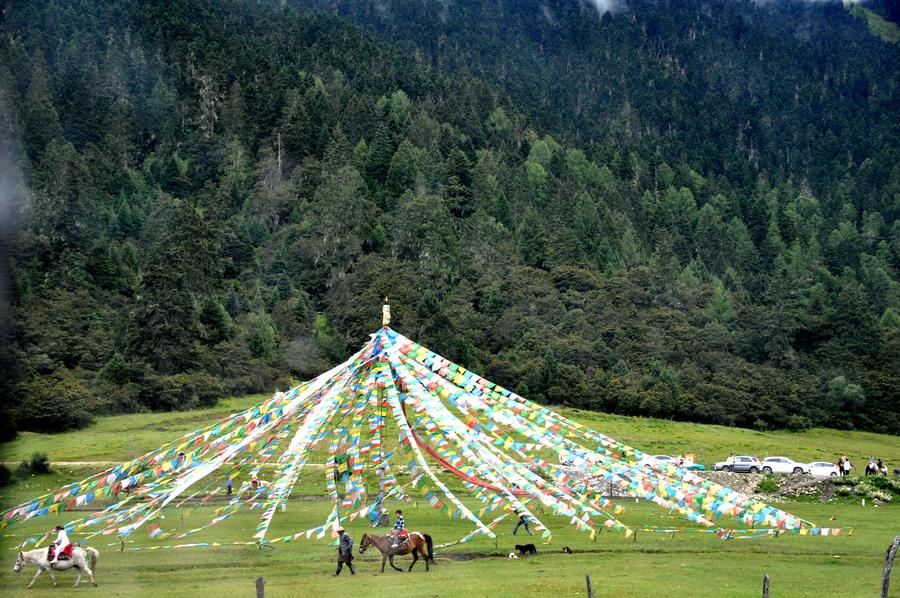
(467, 556)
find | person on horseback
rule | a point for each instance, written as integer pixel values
(398, 533)
(345, 552)
(62, 544)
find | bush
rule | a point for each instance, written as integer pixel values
(56, 403)
(38, 464)
(186, 390)
(845, 481)
(891, 485)
(767, 485)
(798, 423)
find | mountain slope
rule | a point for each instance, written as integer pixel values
(795, 89)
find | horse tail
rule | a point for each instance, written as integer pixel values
(430, 548)
(95, 556)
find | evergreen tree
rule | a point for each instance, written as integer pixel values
(39, 118)
(533, 239)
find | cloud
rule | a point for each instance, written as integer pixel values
(12, 182)
(12, 195)
(548, 15)
(605, 6)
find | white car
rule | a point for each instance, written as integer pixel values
(824, 469)
(783, 465)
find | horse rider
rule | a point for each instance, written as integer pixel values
(62, 544)
(345, 552)
(399, 530)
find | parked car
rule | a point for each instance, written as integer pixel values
(824, 469)
(667, 459)
(783, 465)
(742, 464)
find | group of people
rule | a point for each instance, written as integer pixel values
(876, 467)
(844, 466)
(398, 535)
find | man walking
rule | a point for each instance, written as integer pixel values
(522, 521)
(345, 552)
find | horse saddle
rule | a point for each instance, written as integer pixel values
(64, 555)
(400, 540)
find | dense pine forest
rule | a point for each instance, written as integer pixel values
(683, 210)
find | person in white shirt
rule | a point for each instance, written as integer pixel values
(62, 540)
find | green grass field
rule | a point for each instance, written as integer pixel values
(652, 564)
(655, 564)
(121, 437)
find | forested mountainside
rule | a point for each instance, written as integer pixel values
(796, 89)
(206, 198)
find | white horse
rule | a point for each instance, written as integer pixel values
(39, 558)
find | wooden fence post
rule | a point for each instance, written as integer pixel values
(587, 578)
(260, 587)
(888, 563)
(766, 586)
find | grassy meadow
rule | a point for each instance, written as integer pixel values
(655, 564)
(121, 437)
(650, 564)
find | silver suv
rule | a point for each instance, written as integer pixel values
(741, 464)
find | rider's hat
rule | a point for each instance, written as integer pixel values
(340, 529)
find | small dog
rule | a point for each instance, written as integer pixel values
(567, 550)
(526, 549)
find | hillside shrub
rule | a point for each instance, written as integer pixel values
(879, 487)
(38, 463)
(799, 423)
(886, 483)
(55, 403)
(186, 390)
(767, 485)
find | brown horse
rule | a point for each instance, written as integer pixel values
(416, 545)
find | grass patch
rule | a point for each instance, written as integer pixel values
(655, 564)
